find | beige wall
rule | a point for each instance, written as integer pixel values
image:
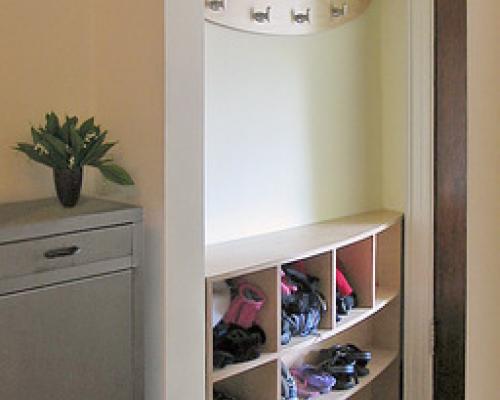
(483, 348)
(128, 88)
(46, 64)
(102, 58)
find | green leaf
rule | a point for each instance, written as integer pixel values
(57, 144)
(87, 126)
(116, 174)
(54, 156)
(35, 135)
(72, 121)
(30, 151)
(100, 152)
(76, 144)
(92, 149)
(101, 162)
(52, 123)
(64, 132)
(59, 159)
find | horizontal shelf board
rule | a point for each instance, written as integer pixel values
(356, 316)
(235, 369)
(224, 260)
(381, 360)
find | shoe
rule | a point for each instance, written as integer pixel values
(222, 396)
(362, 358)
(343, 369)
(314, 379)
(343, 285)
(245, 306)
(242, 344)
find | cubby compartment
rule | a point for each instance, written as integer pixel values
(388, 259)
(357, 264)
(320, 267)
(384, 363)
(260, 383)
(267, 281)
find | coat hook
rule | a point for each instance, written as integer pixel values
(216, 5)
(261, 16)
(300, 18)
(341, 11)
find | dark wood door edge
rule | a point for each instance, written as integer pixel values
(450, 198)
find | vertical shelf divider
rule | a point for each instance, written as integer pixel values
(333, 292)
(209, 339)
(358, 258)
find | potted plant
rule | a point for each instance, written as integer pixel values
(67, 148)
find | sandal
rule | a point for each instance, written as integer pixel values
(343, 370)
(352, 353)
(362, 358)
(311, 377)
(305, 392)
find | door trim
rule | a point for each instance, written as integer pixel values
(183, 222)
(419, 223)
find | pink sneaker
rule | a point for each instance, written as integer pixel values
(245, 306)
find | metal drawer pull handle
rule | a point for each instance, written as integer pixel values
(62, 252)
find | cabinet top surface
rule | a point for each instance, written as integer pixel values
(29, 219)
(232, 258)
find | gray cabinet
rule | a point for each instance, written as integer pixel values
(70, 320)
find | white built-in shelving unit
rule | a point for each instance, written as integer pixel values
(370, 245)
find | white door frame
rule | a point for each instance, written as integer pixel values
(184, 370)
(419, 227)
(184, 200)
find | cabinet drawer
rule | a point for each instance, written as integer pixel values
(68, 342)
(66, 251)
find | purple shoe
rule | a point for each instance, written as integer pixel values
(313, 378)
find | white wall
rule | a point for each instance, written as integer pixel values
(483, 247)
(394, 59)
(294, 124)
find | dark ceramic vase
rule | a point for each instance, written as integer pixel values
(68, 185)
